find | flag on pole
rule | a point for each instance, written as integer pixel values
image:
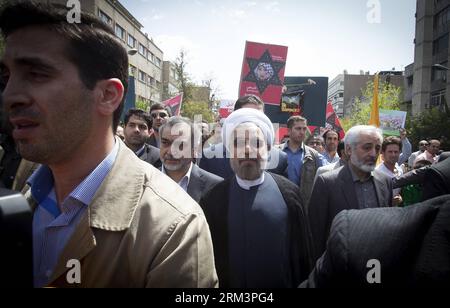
(174, 104)
(332, 122)
(374, 113)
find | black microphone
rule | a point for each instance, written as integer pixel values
(16, 256)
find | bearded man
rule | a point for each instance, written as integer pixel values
(354, 186)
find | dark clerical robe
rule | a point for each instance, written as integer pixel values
(258, 236)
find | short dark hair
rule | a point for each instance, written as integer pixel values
(159, 106)
(140, 114)
(92, 45)
(248, 99)
(312, 137)
(389, 141)
(291, 121)
(330, 131)
(196, 134)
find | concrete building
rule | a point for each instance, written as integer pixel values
(408, 89)
(147, 63)
(170, 80)
(431, 84)
(345, 88)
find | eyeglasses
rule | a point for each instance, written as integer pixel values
(423, 144)
(160, 114)
(315, 143)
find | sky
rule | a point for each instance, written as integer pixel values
(324, 37)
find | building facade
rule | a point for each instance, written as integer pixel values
(431, 84)
(145, 58)
(170, 80)
(346, 88)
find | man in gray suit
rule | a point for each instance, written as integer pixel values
(137, 126)
(342, 161)
(354, 186)
(180, 141)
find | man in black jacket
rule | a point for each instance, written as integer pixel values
(137, 126)
(388, 247)
(258, 225)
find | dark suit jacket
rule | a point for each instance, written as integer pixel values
(151, 155)
(411, 243)
(215, 161)
(333, 192)
(152, 141)
(215, 206)
(201, 182)
(437, 180)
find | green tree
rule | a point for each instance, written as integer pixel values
(431, 123)
(184, 80)
(142, 105)
(389, 98)
(192, 109)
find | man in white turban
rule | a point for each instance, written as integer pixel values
(257, 221)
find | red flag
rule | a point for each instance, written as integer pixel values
(281, 133)
(174, 104)
(263, 71)
(226, 108)
(333, 122)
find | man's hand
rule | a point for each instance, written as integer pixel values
(402, 133)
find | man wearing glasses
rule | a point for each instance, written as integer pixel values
(422, 147)
(160, 114)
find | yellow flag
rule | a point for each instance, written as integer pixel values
(374, 113)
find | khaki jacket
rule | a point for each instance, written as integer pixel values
(141, 230)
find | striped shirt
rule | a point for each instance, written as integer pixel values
(53, 225)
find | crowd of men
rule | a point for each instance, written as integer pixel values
(146, 204)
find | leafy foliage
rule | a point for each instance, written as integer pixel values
(430, 124)
(192, 109)
(389, 98)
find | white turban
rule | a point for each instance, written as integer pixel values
(247, 115)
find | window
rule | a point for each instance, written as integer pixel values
(150, 56)
(105, 18)
(158, 62)
(131, 41)
(441, 20)
(142, 76)
(151, 80)
(172, 72)
(440, 45)
(142, 50)
(120, 32)
(438, 99)
(132, 71)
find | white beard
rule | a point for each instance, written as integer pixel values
(360, 165)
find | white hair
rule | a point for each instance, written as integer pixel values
(353, 135)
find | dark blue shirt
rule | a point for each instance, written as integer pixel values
(295, 163)
(258, 236)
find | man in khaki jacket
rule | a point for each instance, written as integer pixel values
(102, 217)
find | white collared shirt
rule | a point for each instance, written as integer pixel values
(245, 184)
(184, 182)
(398, 171)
